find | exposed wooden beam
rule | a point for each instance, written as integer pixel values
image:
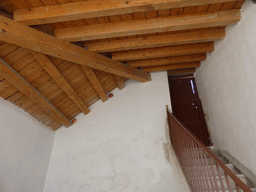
(21, 84)
(181, 71)
(156, 41)
(143, 26)
(6, 14)
(164, 51)
(119, 81)
(60, 80)
(172, 67)
(24, 36)
(98, 8)
(95, 83)
(168, 60)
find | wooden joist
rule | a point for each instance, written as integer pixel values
(168, 60)
(181, 72)
(95, 83)
(143, 26)
(156, 41)
(163, 51)
(172, 67)
(98, 8)
(60, 80)
(21, 84)
(24, 36)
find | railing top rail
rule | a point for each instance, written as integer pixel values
(216, 159)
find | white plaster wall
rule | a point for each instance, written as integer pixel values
(25, 150)
(227, 87)
(118, 146)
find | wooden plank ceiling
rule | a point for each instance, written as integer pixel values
(58, 57)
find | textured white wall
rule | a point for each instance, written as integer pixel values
(25, 149)
(118, 146)
(227, 87)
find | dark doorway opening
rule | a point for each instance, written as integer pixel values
(187, 107)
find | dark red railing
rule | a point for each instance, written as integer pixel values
(202, 169)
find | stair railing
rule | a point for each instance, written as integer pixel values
(202, 169)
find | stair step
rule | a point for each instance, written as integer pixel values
(222, 159)
(240, 176)
(234, 190)
(233, 187)
(230, 166)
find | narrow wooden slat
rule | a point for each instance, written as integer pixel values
(15, 97)
(172, 67)
(189, 10)
(172, 23)
(98, 8)
(8, 92)
(27, 37)
(119, 81)
(215, 7)
(14, 78)
(156, 41)
(30, 68)
(61, 81)
(202, 8)
(55, 125)
(95, 83)
(24, 102)
(7, 48)
(4, 84)
(164, 51)
(177, 11)
(167, 60)
(239, 4)
(25, 105)
(228, 5)
(16, 56)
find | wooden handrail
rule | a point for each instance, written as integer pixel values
(216, 159)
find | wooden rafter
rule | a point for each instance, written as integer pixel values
(181, 71)
(119, 82)
(168, 60)
(164, 51)
(98, 8)
(60, 80)
(156, 41)
(95, 83)
(21, 84)
(143, 26)
(24, 36)
(172, 67)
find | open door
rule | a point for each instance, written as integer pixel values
(187, 107)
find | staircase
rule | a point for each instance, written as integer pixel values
(234, 169)
(205, 168)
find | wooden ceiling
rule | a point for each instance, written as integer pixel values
(58, 57)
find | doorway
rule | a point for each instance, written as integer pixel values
(187, 107)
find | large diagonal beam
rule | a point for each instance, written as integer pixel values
(60, 80)
(156, 41)
(24, 36)
(99, 8)
(143, 26)
(21, 84)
